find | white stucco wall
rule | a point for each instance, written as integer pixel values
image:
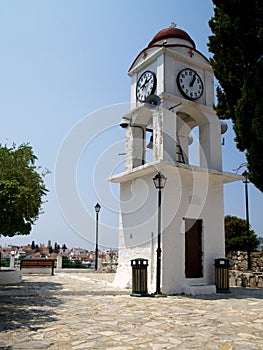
(187, 195)
(137, 226)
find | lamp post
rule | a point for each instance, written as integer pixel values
(246, 181)
(97, 210)
(159, 183)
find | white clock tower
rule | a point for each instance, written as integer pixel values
(172, 92)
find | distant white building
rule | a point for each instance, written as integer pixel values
(178, 82)
(77, 251)
(63, 251)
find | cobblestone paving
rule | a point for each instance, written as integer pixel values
(84, 311)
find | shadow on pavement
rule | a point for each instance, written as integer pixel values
(98, 293)
(28, 304)
(235, 293)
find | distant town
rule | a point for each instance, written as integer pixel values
(71, 257)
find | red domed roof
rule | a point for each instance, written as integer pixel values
(171, 32)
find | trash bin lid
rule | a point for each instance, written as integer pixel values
(139, 261)
(221, 262)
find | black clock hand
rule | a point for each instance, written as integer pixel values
(146, 82)
(193, 80)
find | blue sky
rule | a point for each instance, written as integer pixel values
(64, 60)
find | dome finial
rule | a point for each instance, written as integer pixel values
(173, 25)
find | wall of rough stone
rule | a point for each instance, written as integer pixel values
(238, 274)
(245, 279)
(238, 261)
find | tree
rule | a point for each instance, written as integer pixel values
(65, 262)
(21, 190)
(237, 47)
(78, 264)
(56, 248)
(236, 237)
(33, 246)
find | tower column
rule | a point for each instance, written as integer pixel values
(210, 143)
(164, 135)
(135, 146)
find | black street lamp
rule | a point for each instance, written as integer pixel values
(246, 181)
(159, 183)
(97, 210)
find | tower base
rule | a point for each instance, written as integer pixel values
(200, 289)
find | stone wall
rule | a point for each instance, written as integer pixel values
(238, 261)
(245, 279)
(238, 274)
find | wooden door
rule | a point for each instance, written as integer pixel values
(193, 248)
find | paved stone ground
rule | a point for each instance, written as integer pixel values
(84, 311)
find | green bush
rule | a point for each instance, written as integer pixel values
(5, 262)
(67, 264)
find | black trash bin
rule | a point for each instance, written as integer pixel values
(139, 277)
(222, 275)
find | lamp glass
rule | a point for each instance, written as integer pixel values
(159, 180)
(245, 177)
(97, 208)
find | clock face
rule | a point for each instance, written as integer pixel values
(146, 85)
(190, 84)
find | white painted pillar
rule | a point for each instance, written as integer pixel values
(210, 144)
(59, 262)
(12, 261)
(135, 146)
(164, 135)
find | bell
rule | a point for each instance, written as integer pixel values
(224, 127)
(190, 139)
(150, 144)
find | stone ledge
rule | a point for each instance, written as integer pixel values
(200, 289)
(245, 279)
(10, 276)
